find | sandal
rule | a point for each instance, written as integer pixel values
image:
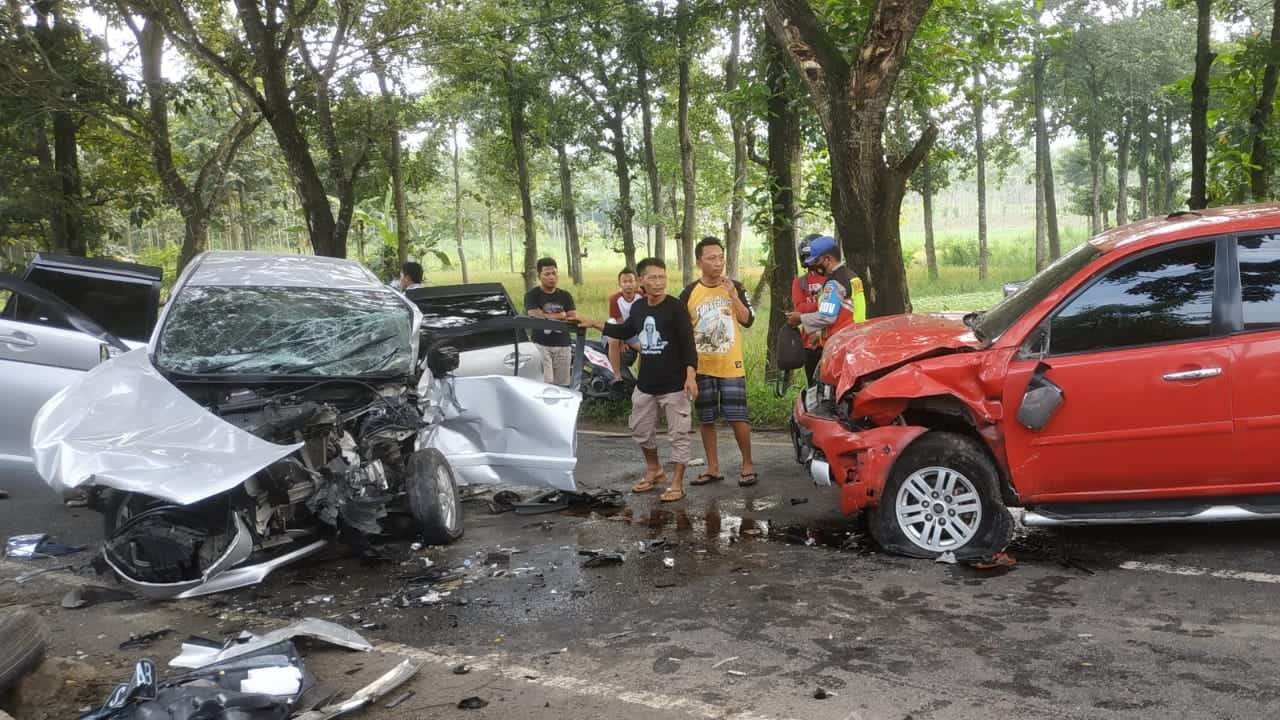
(748, 479)
(649, 482)
(706, 479)
(672, 495)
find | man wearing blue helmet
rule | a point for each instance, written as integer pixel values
(835, 308)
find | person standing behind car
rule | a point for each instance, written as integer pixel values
(410, 276)
(546, 301)
(718, 306)
(804, 299)
(836, 300)
(620, 304)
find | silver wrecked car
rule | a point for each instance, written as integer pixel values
(283, 401)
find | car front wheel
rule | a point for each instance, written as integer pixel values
(433, 497)
(942, 496)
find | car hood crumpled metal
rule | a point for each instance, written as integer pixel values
(883, 344)
(126, 427)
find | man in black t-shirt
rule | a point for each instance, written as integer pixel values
(667, 379)
(549, 302)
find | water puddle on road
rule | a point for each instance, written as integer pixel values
(724, 523)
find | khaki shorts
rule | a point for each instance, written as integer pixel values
(644, 422)
(555, 364)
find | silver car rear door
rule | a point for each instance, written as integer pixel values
(45, 345)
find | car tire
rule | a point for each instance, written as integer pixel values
(23, 638)
(432, 488)
(942, 496)
(120, 506)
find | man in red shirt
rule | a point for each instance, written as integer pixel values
(804, 299)
(629, 291)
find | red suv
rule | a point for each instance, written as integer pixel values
(1135, 380)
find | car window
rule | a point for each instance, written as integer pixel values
(123, 309)
(1165, 296)
(993, 323)
(1259, 258)
(329, 332)
(460, 311)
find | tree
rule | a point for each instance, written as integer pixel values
(737, 203)
(197, 199)
(394, 162)
(688, 173)
(1200, 107)
(851, 93)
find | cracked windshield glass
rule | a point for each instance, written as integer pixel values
(286, 331)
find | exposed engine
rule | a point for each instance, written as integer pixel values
(351, 468)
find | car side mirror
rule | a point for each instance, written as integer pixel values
(1040, 401)
(442, 360)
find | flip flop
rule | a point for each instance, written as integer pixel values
(706, 479)
(748, 479)
(672, 495)
(648, 483)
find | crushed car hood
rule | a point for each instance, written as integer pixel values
(126, 427)
(882, 344)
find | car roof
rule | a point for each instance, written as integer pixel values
(95, 266)
(1182, 225)
(258, 269)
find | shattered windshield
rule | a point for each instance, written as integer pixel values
(991, 324)
(221, 330)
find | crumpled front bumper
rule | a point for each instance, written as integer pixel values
(858, 463)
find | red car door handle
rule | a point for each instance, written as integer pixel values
(1200, 374)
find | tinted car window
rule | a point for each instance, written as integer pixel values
(1260, 280)
(460, 311)
(1163, 297)
(123, 309)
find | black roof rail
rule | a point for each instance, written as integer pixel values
(1179, 213)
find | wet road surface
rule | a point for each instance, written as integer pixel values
(743, 602)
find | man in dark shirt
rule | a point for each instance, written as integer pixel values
(549, 302)
(667, 378)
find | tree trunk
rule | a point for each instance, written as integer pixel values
(1122, 171)
(1045, 156)
(851, 98)
(733, 239)
(1200, 107)
(783, 167)
(1166, 160)
(926, 197)
(980, 152)
(271, 65)
(511, 247)
(246, 223)
(457, 208)
(1094, 134)
(650, 158)
(515, 113)
(195, 237)
(572, 247)
(689, 227)
(57, 218)
(1042, 239)
(1106, 209)
(1259, 157)
(1144, 165)
(622, 168)
(488, 216)
(63, 162)
(395, 166)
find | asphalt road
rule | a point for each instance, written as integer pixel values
(768, 595)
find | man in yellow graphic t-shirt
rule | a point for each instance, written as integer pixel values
(719, 309)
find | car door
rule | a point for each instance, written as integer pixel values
(1255, 351)
(39, 356)
(509, 429)
(1144, 363)
(449, 310)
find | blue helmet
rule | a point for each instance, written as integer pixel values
(821, 245)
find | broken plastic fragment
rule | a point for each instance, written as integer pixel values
(198, 656)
